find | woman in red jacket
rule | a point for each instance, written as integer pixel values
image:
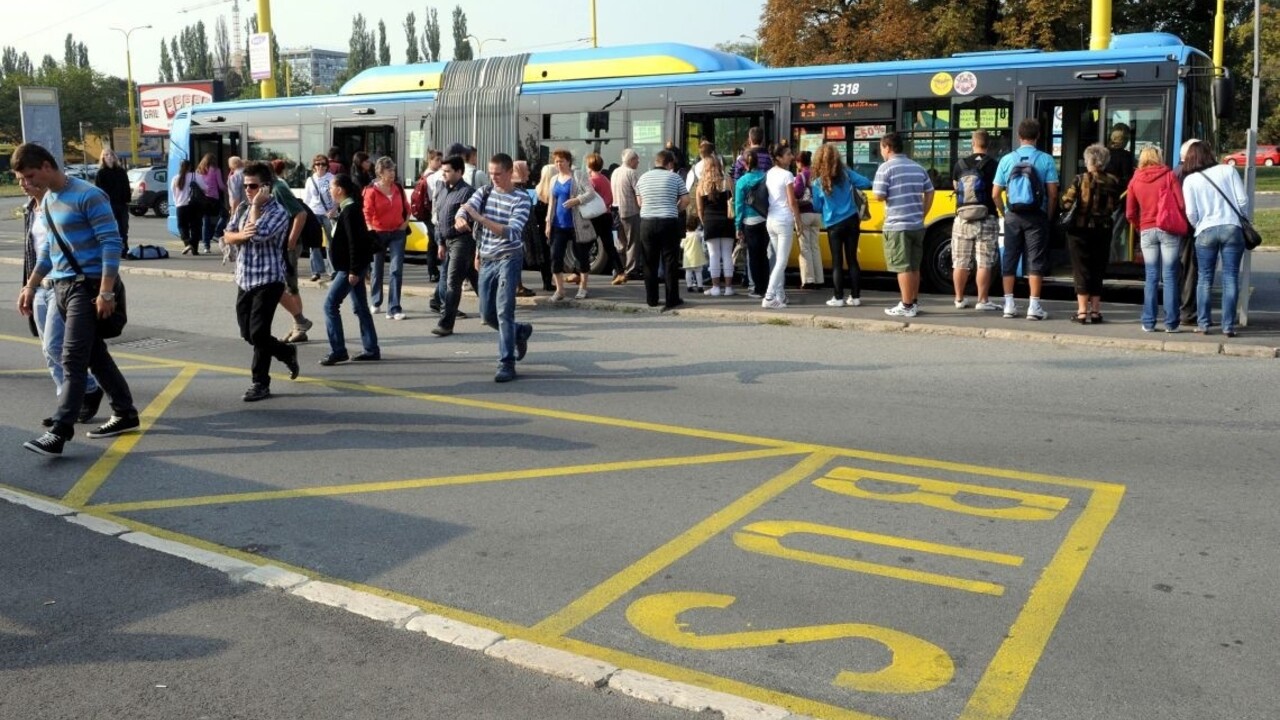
(386, 210)
(1160, 246)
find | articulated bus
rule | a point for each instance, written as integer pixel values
(645, 96)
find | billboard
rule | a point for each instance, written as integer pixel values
(158, 103)
(41, 118)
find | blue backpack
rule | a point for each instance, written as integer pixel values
(1025, 190)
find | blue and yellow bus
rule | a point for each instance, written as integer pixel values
(646, 96)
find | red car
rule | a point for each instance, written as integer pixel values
(1267, 155)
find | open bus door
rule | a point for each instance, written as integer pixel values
(1070, 122)
(726, 125)
(377, 138)
(222, 144)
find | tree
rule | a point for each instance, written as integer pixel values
(361, 48)
(197, 62)
(46, 65)
(166, 63)
(221, 49)
(411, 35)
(431, 36)
(461, 45)
(384, 50)
(747, 49)
(179, 69)
(13, 64)
(1240, 45)
(75, 54)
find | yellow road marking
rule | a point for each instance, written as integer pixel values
(1006, 677)
(45, 370)
(943, 495)
(796, 704)
(501, 476)
(765, 538)
(611, 590)
(100, 470)
(1017, 475)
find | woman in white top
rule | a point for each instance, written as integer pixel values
(317, 197)
(781, 222)
(1215, 199)
(189, 217)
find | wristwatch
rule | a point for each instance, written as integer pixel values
(108, 296)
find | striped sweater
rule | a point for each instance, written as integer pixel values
(82, 215)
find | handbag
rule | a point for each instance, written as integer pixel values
(108, 327)
(1252, 238)
(1170, 215)
(593, 208)
(1067, 218)
(860, 200)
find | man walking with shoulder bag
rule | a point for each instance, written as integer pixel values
(83, 262)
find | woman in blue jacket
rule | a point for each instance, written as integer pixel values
(833, 196)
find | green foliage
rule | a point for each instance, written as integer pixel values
(747, 49)
(431, 36)
(384, 50)
(461, 45)
(166, 63)
(361, 49)
(411, 37)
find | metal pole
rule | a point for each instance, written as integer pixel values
(84, 149)
(595, 39)
(1100, 30)
(133, 109)
(1251, 168)
(267, 87)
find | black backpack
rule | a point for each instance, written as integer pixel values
(758, 198)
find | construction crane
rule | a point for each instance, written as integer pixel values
(237, 49)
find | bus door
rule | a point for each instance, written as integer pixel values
(1070, 122)
(222, 144)
(377, 138)
(725, 125)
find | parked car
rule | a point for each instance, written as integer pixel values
(150, 191)
(82, 171)
(1267, 155)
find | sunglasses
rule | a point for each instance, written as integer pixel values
(252, 186)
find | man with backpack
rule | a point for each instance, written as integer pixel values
(974, 232)
(420, 209)
(1026, 190)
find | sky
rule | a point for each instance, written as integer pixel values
(527, 25)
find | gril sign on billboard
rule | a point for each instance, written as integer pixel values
(159, 103)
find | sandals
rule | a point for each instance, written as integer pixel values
(1095, 318)
(1080, 318)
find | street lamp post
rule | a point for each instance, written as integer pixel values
(480, 43)
(755, 40)
(133, 108)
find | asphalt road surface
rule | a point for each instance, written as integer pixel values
(842, 524)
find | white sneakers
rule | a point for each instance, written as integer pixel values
(853, 302)
(1010, 308)
(961, 304)
(901, 310)
(714, 291)
(986, 305)
(1035, 312)
(727, 290)
(835, 302)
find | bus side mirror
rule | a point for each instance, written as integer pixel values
(1224, 91)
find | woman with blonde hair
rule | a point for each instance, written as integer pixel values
(713, 198)
(565, 224)
(832, 191)
(1153, 184)
(113, 180)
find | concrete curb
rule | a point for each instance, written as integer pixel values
(547, 660)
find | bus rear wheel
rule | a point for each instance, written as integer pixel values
(935, 268)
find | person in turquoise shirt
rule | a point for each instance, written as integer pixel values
(750, 226)
(1026, 233)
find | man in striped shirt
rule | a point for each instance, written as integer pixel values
(907, 193)
(496, 217)
(259, 228)
(662, 197)
(85, 286)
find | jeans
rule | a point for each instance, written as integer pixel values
(317, 254)
(660, 248)
(1227, 241)
(843, 241)
(209, 229)
(810, 254)
(394, 243)
(82, 351)
(339, 290)
(780, 241)
(1160, 252)
(757, 239)
(498, 281)
(51, 327)
(255, 311)
(459, 264)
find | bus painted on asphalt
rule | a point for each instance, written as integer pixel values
(648, 96)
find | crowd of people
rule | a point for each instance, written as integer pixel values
(669, 222)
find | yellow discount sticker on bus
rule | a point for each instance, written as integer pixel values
(941, 83)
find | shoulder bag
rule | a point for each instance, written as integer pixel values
(113, 325)
(1252, 238)
(593, 208)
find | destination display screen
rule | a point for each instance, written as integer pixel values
(842, 110)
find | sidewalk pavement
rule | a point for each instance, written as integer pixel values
(1122, 329)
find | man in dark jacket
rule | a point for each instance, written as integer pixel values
(113, 180)
(457, 247)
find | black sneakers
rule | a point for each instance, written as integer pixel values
(115, 426)
(49, 444)
(89, 408)
(523, 331)
(291, 362)
(257, 392)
